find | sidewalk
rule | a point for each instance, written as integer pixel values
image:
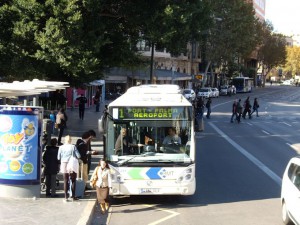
(54, 211)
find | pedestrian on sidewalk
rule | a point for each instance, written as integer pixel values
(51, 167)
(52, 117)
(61, 121)
(83, 148)
(255, 107)
(103, 184)
(90, 150)
(97, 99)
(82, 100)
(208, 106)
(65, 153)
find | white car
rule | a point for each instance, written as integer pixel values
(189, 94)
(205, 92)
(290, 192)
(216, 92)
(228, 90)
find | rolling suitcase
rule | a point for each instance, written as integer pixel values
(79, 188)
(80, 185)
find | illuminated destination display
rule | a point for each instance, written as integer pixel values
(152, 113)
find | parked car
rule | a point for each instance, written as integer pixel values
(189, 94)
(290, 192)
(205, 92)
(216, 92)
(228, 90)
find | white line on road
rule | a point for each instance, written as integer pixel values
(164, 218)
(265, 132)
(258, 163)
(286, 124)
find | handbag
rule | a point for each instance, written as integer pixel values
(94, 179)
(73, 164)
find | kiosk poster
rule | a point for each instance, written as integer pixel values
(19, 144)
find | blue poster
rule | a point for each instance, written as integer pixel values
(19, 144)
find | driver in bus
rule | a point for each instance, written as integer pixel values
(127, 145)
(172, 137)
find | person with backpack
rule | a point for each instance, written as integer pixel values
(82, 100)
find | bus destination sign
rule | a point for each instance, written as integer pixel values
(151, 112)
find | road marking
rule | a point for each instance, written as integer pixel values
(286, 124)
(173, 214)
(265, 132)
(254, 160)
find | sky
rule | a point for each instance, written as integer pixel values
(284, 15)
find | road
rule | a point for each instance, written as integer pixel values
(239, 168)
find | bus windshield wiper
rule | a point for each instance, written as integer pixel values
(133, 157)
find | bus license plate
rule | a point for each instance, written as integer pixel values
(149, 190)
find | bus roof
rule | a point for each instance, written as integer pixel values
(152, 94)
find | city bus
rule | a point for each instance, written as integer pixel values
(242, 84)
(142, 162)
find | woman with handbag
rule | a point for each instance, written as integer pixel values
(68, 156)
(101, 179)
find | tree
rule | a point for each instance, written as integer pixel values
(272, 51)
(76, 40)
(232, 35)
(292, 64)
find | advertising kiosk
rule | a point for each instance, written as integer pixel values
(20, 151)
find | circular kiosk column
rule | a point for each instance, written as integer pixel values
(20, 151)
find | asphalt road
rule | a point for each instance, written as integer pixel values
(239, 168)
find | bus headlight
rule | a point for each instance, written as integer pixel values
(186, 176)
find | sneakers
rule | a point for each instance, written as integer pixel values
(65, 200)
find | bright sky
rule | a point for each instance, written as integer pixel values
(284, 15)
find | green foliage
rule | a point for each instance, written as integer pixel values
(272, 51)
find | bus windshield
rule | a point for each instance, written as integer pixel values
(150, 135)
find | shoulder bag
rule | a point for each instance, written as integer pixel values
(94, 178)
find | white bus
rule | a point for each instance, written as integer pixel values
(143, 162)
(242, 84)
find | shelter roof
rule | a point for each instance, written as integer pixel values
(27, 87)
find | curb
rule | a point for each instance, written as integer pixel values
(87, 215)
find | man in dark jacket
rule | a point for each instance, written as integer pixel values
(83, 148)
(82, 100)
(51, 167)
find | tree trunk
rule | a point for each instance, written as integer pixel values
(205, 74)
